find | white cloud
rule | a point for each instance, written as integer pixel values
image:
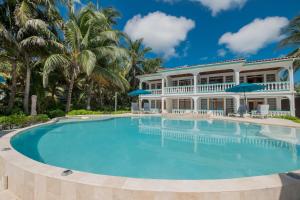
(255, 35)
(162, 32)
(222, 52)
(216, 6)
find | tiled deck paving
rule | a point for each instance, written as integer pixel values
(6, 195)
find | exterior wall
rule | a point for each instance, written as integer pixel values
(194, 83)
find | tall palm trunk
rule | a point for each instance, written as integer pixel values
(89, 95)
(27, 89)
(70, 90)
(13, 89)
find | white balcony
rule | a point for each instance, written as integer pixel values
(179, 90)
(156, 92)
(219, 87)
(276, 86)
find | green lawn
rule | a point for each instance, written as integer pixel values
(294, 119)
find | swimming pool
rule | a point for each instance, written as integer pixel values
(157, 148)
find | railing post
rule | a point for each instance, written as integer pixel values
(195, 82)
(237, 76)
(195, 99)
(163, 86)
(291, 77)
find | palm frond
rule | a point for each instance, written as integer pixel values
(52, 62)
(87, 61)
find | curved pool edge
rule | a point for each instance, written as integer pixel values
(29, 179)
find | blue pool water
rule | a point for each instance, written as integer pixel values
(156, 148)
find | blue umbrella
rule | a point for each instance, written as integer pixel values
(138, 92)
(2, 79)
(246, 87)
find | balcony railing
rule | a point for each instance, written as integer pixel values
(219, 87)
(179, 90)
(155, 92)
(276, 86)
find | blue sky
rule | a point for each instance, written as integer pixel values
(188, 32)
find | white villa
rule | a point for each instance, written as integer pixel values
(201, 88)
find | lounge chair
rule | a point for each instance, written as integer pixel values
(135, 108)
(240, 113)
(262, 111)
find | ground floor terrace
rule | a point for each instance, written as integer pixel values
(220, 105)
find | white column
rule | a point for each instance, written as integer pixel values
(163, 109)
(163, 85)
(237, 76)
(291, 77)
(195, 82)
(141, 85)
(292, 105)
(224, 105)
(236, 103)
(278, 103)
(195, 99)
(208, 102)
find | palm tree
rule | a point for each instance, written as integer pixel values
(137, 53)
(292, 39)
(104, 42)
(77, 55)
(25, 38)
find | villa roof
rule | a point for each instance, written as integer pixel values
(226, 62)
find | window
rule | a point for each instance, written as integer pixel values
(153, 86)
(271, 78)
(174, 83)
(185, 104)
(216, 79)
(185, 82)
(158, 85)
(174, 104)
(229, 79)
(153, 104)
(203, 104)
(255, 79)
(272, 103)
(242, 79)
(203, 81)
(229, 106)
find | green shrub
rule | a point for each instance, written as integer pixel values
(84, 112)
(21, 120)
(291, 118)
(56, 113)
(89, 112)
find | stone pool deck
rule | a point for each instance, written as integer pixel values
(31, 180)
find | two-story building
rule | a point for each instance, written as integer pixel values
(202, 88)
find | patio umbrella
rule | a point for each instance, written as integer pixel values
(138, 92)
(246, 87)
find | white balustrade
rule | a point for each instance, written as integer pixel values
(277, 113)
(216, 113)
(179, 90)
(155, 92)
(181, 111)
(218, 87)
(276, 86)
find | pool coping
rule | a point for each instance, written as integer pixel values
(13, 158)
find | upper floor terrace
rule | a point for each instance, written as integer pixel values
(217, 77)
